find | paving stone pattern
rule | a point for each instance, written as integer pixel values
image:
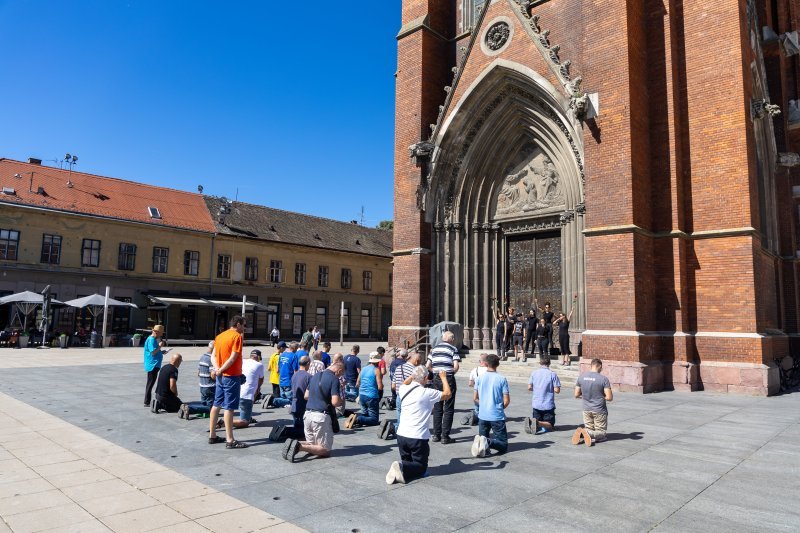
(673, 462)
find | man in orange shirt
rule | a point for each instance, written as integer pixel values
(228, 361)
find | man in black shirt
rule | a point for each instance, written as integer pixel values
(323, 390)
(530, 332)
(167, 385)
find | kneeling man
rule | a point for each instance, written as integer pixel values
(167, 385)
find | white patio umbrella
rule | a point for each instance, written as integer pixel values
(26, 302)
(96, 304)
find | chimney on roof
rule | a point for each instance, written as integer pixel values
(34, 161)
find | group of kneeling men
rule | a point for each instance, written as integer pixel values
(317, 387)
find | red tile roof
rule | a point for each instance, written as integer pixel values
(101, 196)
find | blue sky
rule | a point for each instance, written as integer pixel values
(290, 101)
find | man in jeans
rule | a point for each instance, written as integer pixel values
(544, 384)
(491, 393)
(413, 432)
(300, 381)
(595, 389)
(352, 368)
(253, 370)
(444, 358)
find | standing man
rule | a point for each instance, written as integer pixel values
(352, 368)
(253, 370)
(316, 335)
(274, 335)
(228, 361)
(519, 338)
(153, 355)
(444, 358)
(543, 339)
(544, 384)
(322, 391)
(398, 361)
(491, 395)
(307, 338)
(595, 389)
(413, 433)
(530, 332)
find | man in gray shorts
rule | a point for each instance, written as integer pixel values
(595, 389)
(323, 390)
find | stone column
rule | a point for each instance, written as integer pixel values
(438, 299)
(463, 287)
(486, 310)
(476, 264)
(456, 286)
(447, 260)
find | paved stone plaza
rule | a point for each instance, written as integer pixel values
(673, 462)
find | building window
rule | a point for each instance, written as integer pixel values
(160, 260)
(276, 271)
(322, 279)
(347, 278)
(251, 268)
(223, 266)
(471, 11)
(322, 319)
(191, 263)
(121, 317)
(127, 256)
(51, 249)
(365, 322)
(391, 280)
(90, 253)
(9, 244)
(299, 273)
(297, 319)
(367, 280)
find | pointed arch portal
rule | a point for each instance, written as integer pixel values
(505, 199)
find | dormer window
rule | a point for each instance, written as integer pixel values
(154, 212)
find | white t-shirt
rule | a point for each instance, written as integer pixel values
(416, 410)
(476, 373)
(253, 370)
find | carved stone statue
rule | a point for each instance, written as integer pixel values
(534, 187)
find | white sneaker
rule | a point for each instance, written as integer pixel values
(477, 446)
(484, 446)
(395, 474)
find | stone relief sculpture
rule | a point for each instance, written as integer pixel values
(533, 188)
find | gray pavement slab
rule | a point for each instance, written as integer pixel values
(674, 461)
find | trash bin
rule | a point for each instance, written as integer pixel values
(94, 340)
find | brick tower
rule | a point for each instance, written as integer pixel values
(630, 157)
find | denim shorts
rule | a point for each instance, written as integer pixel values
(227, 393)
(245, 410)
(548, 415)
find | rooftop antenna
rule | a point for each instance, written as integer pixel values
(362, 215)
(71, 160)
(237, 195)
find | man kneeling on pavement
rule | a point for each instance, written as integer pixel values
(167, 385)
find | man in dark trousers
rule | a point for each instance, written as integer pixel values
(166, 390)
(300, 381)
(530, 332)
(153, 355)
(444, 358)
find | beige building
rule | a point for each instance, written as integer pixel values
(186, 260)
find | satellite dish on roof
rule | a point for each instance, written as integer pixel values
(200, 188)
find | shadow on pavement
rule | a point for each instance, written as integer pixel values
(635, 435)
(518, 446)
(362, 449)
(457, 466)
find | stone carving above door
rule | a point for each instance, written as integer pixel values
(534, 186)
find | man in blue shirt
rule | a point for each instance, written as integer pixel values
(153, 355)
(287, 365)
(352, 368)
(544, 384)
(326, 357)
(491, 395)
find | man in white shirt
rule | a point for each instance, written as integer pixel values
(471, 419)
(413, 434)
(253, 370)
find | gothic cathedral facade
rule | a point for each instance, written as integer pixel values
(635, 157)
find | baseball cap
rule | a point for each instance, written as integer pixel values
(255, 352)
(282, 344)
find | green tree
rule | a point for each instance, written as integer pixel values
(386, 224)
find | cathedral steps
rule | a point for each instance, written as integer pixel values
(519, 372)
